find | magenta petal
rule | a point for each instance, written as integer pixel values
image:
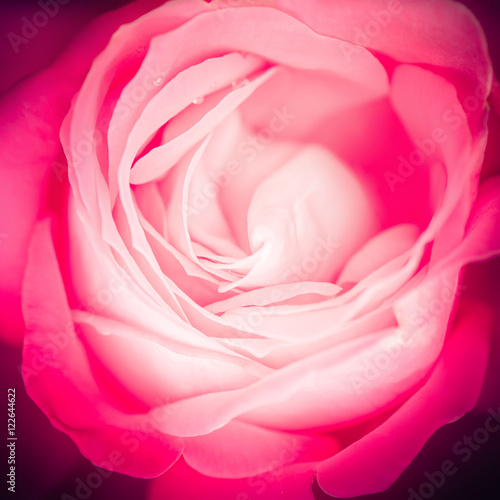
(30, 145)
(184, 483)
(59, 379)
(31, 115)
(451, 391)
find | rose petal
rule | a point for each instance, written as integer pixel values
(272, 294)
(290, 220)
(379, 250)
(383, 27)
(55, 363)
(228, 406)
(225, 69)
(104, 285)
(450, 392)
(415, 89)
(183, 482)
(240, 450)
(152, 372)
(31, 115)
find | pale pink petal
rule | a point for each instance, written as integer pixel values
(382, 26)
(252, 165)
(273, 294)
(175, 97)
(276, 389)
(422, 314)
(379, 250)
(155, 373)
(317, 209)
(240, 450)
(217, 357)
(313, 96)
(104, 286)
(260, 45)
(152, 206)
(450, 392)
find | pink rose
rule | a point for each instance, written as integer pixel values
(242, 240)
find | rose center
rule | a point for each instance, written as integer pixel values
(304, 221)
